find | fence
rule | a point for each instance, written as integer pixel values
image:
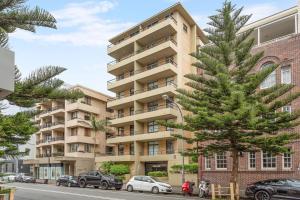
(220, 192)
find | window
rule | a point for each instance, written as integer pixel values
(131, 111)
(170, 146)
(169, 81)
(74, 147)
(152, 85)
(74, 115)
(87, 100)
(269, 160)
(169, 128)
(287, 109)
(271, 79)
(131, 129)
(131, 148)
(287, 160)
(153, 148)
(121, 95)
(87, 116)
(74, 131)
(120, 77)
(131, 91)
(121, 131)
(170, 102)
(87, 148)
(185, 28)
(251, 160)
(152, 106)
(221, 160)
(120, 113)
(87, 132)
(207, 161)
(152, 65)
(121, 149)
(286, 75)
(170, 59)
(152, 127)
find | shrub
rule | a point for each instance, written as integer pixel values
(158, 174)
(119, 169)
(105, 167)
(188, 168)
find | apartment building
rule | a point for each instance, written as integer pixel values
(65, 140)
(279, 37)
(7, 75)
(150, 60)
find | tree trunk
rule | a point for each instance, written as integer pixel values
(234, 172)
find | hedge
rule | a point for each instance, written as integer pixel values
(119, 169)
(158, 173)
(188, 168)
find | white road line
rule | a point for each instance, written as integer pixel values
(69, 193)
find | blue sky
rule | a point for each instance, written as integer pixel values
(84, 27)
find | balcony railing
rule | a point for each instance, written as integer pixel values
(147, 68)
(141, 30)
(154, 152)
(48, 125)
(139, 133)
(150, 46)
(52, 109)
(145, 90)
(51, 139)
(48, 155)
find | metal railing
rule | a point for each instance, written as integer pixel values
(51, 139)
(150, 46)
(51, 109)
(48, 125)
(155, 108)
(141, 30)
(139, 133)
(47, 155)
(157, 152)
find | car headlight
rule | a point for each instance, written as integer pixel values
(164, 186)
(74, 181)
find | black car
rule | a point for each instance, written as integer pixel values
(274, 189)
(99, 179)
(70, 181)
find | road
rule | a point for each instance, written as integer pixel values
(27, 191)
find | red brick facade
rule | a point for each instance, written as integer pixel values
(286, 52)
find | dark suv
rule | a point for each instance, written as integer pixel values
(99, 179)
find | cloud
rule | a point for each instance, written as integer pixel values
(201, 20)
(260, 11)
(80, 24)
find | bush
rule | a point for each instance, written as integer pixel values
(158, 174)
(189, 168)
(105, 167)
(119, 169)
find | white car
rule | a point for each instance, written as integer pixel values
(147, 184)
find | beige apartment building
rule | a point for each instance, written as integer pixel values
(150, 60)
(65, 140)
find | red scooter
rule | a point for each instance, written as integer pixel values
(187, 188)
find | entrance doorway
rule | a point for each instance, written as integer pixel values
(156, 166)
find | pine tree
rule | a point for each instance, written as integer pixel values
(15, 14)
(226, 109)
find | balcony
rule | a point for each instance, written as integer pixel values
(82, 106)
(143, 95)
(111, 156)
(162, 25)
(161, 69)
(140, 137)
(161, 48)
(49, 141)
(80, 139)
(75, 122)
(158, 156)
(54, 110)
(48, 155)
(59, 125)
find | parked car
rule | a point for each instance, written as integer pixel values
(99, 179)
(274, 188)
(148, 184)
(70, 181)
(8, 177)
(29, 179)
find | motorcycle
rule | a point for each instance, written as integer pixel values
(187, 188)
(203, 189)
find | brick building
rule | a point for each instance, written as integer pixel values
(279, 37)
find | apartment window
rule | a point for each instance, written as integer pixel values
(131, 110)
(87, 148)
(152, 106)
(121, 148)
(170, 59)
(170, 81)
(109, 110)
(87, 116)
(170, 146)
(74, 147)
(74, 131)
(121, 131)
(269, 160)
(169, 128)
(87, 100)
(131, 148)
(286, 75)
(120, 113)
(152, 85)
(287, 160)
(152, 127)
(131, 73)
(74, 115)
(120, 77)
(185, 28)
(287, 109)
(207, 162)
(170, 102)
(121, 95)
(152, 65)
(221, 160)
(153, 148)
(251, 160)
(131, 91)
(271, 79)
(131, 129)
(87, 132)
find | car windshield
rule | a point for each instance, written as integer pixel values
(154, 178)
(72, 177)
(294, 182)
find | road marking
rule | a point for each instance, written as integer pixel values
(70, 193)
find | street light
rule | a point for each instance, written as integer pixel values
(167, 98)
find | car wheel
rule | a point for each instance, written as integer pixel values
(58, 183)
(82, 184)
(69, 184)
(262, 195)
(118, 188)
(155, 190)
(104, 185)
(96, 186)
(129, 188)
(201, 193)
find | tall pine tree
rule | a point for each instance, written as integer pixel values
(226, 110)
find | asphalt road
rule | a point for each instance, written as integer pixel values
(27, 191)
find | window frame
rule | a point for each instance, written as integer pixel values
(262, 161)
(216, 163)
(207, 160)
(283, 70)
(270, 76)
(291, 160)
(154, 125)
(251, 158)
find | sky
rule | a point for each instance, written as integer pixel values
(84, 27)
